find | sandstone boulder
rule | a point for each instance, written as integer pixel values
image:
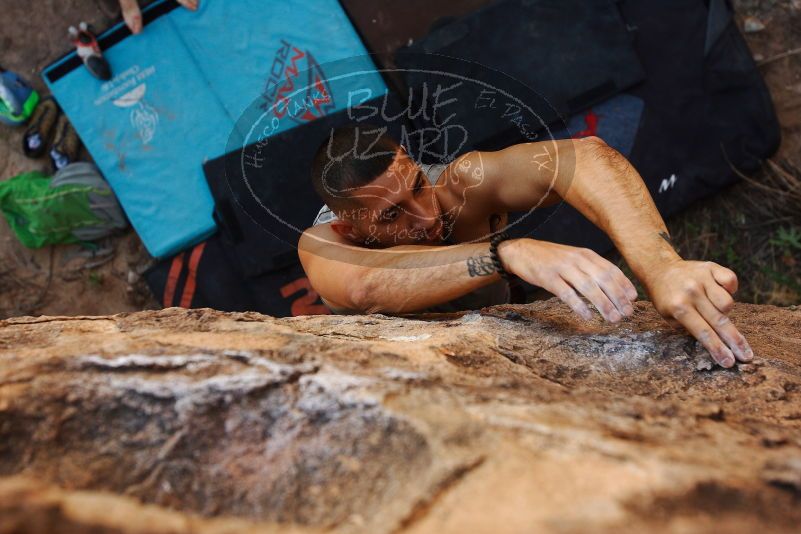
(516, 418)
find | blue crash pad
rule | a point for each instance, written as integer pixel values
(179, 88)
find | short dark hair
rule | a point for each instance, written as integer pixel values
(351, 157)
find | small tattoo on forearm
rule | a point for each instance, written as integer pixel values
(666, 237)
(480, 266)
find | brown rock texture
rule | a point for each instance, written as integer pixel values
(516, 418)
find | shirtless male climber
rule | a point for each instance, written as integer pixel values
(400, 237)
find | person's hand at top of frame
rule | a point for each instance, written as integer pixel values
(133, 15)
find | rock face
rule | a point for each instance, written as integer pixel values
(516, 418)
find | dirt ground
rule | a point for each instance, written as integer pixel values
(60, 281)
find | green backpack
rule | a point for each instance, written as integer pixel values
(73, 206)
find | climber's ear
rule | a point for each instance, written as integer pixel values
(345, 229)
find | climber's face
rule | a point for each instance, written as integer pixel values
(399, 207)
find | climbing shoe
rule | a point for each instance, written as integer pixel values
(40, 128)
(88, 50)
(66, 146)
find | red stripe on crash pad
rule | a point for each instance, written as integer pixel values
(189, 287)
(172, 279)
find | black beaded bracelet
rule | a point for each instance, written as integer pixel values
(494, 242)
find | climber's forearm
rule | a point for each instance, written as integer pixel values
(400, 279)
(410, 278)
(609, 191)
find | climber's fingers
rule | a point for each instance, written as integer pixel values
(701, 330)
(725, 329)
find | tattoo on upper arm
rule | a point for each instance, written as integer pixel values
(480, 266)
(666, 237)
